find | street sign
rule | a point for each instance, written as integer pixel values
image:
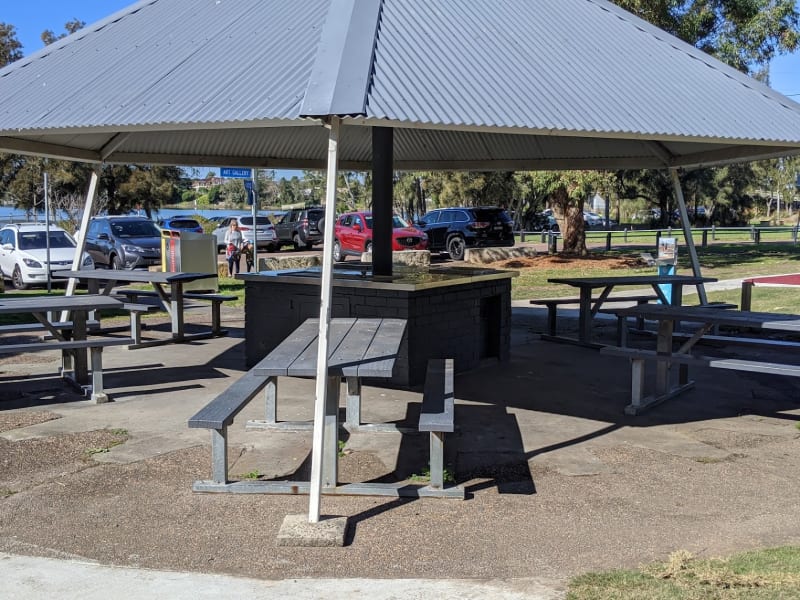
(235, 173)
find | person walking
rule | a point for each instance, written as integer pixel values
(233, 246)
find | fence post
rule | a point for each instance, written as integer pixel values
(626, 235)
(658, 237)
(608, 242)
(705, 238)
(794, 234)
(757, 236)
(714, 233)
(552, 244)
(544, 236)
(752, 232)
(522, 236)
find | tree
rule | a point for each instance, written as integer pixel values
(48, 37)
(10, 46)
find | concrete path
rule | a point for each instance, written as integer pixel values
(29, 578)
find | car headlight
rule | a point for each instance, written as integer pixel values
(33, 264)
(132, 249)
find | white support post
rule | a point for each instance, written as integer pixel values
(687, 234)
(324, 326)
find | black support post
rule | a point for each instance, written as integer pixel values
(382, 181)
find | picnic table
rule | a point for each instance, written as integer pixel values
(173, 300)
(358, 348)
(71, 337)
(588, 306)
(702, 320)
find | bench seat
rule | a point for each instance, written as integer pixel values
(218, 414)
(552, 305)
(638, 357)
(132, 295)
(95, 346)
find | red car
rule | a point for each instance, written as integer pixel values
(353, 235)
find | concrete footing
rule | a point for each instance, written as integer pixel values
(296, 530)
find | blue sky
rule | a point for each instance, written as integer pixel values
(31, 17)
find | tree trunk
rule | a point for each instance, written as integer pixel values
(569, 214)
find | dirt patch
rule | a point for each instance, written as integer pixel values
(562, 261)
(17, 419)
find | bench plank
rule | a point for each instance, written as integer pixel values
(68, 345)
(438, 398)
(221, 411)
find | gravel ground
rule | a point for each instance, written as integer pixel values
(558, 482)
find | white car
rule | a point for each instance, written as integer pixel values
(23, 253)
(592, 219)
(266, 231)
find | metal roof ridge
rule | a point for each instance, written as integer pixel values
(340, 77)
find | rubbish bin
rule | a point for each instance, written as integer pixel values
(191, 253)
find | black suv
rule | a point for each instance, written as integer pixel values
(453, 230)
(118, 242)
(301, 227)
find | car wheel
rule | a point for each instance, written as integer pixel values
(116, 263)
(337, 251)
(296, 241)
(273, 248)
(368, 247)
(456, 247)
(16, 279)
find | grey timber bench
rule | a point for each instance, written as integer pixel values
(38, 327)
(218, 415)
(437, 414)
(552, 305)
(216, 300)
(136, 311)
(639, 357)
(95, 347)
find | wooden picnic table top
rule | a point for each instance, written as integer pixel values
(643, 280)
(357, 348)
(135, 276)
(57, 303)
(734, 318)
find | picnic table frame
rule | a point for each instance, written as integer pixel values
(71, 341)
(172, 300)
(704, 320)
(589, 306)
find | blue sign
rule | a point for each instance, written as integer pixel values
(248, 186)
(236, 173)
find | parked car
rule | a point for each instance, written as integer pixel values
(592, 219)
(543, 222)
(23, 253)
(453, 230)
(118, 242)
(265, 236)
(181, 224)
(353, 235)
(301, 227)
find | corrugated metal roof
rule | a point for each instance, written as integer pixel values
(510, 84)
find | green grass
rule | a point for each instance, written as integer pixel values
(762, 574)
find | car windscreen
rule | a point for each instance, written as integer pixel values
(183, 224)
(131, 229)
(491, 215)
(259, 220)
(37, 240)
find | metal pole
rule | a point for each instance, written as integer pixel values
(47, 232)
(317, 455)
(87, 213)
(255, 219)
(687, 234)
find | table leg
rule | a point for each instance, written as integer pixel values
(330, 436)
(663, 346)
(176, 309)
(80, 355)
(585, 316)
(353, 414)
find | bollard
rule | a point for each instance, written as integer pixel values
(626, 235)
(608, 242)
(705, 238)
(794, 234)
(658, 237)
(521, 236)
(757, 236)
(752, 232)
(552, 244)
